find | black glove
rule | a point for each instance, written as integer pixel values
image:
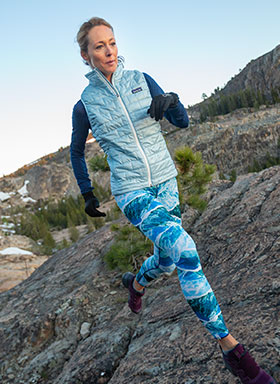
(161, 103)
(91, 204)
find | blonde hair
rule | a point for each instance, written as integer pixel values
(82, 35)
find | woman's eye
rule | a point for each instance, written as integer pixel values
(114, 43)
(98, 47)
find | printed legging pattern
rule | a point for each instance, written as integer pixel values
(155, 211)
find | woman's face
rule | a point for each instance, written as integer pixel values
(102, 50)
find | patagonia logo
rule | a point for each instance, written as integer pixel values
(136, 90)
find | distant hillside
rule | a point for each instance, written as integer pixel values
(257, 84)
(261, 74)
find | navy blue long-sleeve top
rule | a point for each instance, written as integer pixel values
(81, 126)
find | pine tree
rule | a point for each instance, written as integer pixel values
(194, 175)
(74, 234)
(256, 104)
(224, 105)
(65, 243)
(250, 97)
(275, 95)
(48, 243)
(243, 100)
(260, 97)
(232, 103)
(213, 108)
(203, 114)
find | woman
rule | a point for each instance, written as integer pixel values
(123, 109)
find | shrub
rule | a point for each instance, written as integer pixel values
(99, 163)
(48, 244)
(130, 245)
(63, 244)
(101, 193)
(233, 175)
(98, 222)
(194, 176)
(267, 163)
(113, 213)
(90, 225)
(74, 234)
(222, 176)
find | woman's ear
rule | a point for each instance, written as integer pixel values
(84, 56)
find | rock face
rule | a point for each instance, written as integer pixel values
(234, 141)
(54, 178)
(262, 74)
(46, 183)
(69, 322)
(14, 268)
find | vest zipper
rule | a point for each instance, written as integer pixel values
(137, 140)
(131, 125)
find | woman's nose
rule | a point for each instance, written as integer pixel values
(108, 50)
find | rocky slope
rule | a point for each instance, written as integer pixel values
(262, 74)
(51, 178)
(235, 140)
(17, 264)
(20, 255)
(68, 323)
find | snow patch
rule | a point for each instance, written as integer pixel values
(8, 231)
(7, 225)
(24, 193)
(4, 196)
(28, 199)
(14, 251)
(23, 190)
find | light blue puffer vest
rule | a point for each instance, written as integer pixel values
(117, 112)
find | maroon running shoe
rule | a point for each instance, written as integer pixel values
(135, 297)
(241, 364)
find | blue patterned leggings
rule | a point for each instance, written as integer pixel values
(155, 211)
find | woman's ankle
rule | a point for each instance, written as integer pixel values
(228, 343)
(137, 286)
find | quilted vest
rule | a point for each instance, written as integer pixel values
(135, 148)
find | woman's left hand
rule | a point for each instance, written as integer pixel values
(161, 103)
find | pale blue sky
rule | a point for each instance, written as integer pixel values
(188, 47)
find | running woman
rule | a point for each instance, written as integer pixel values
(123, 108)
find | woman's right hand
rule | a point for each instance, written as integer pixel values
(91, 203)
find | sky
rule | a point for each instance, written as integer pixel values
(188, 47)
